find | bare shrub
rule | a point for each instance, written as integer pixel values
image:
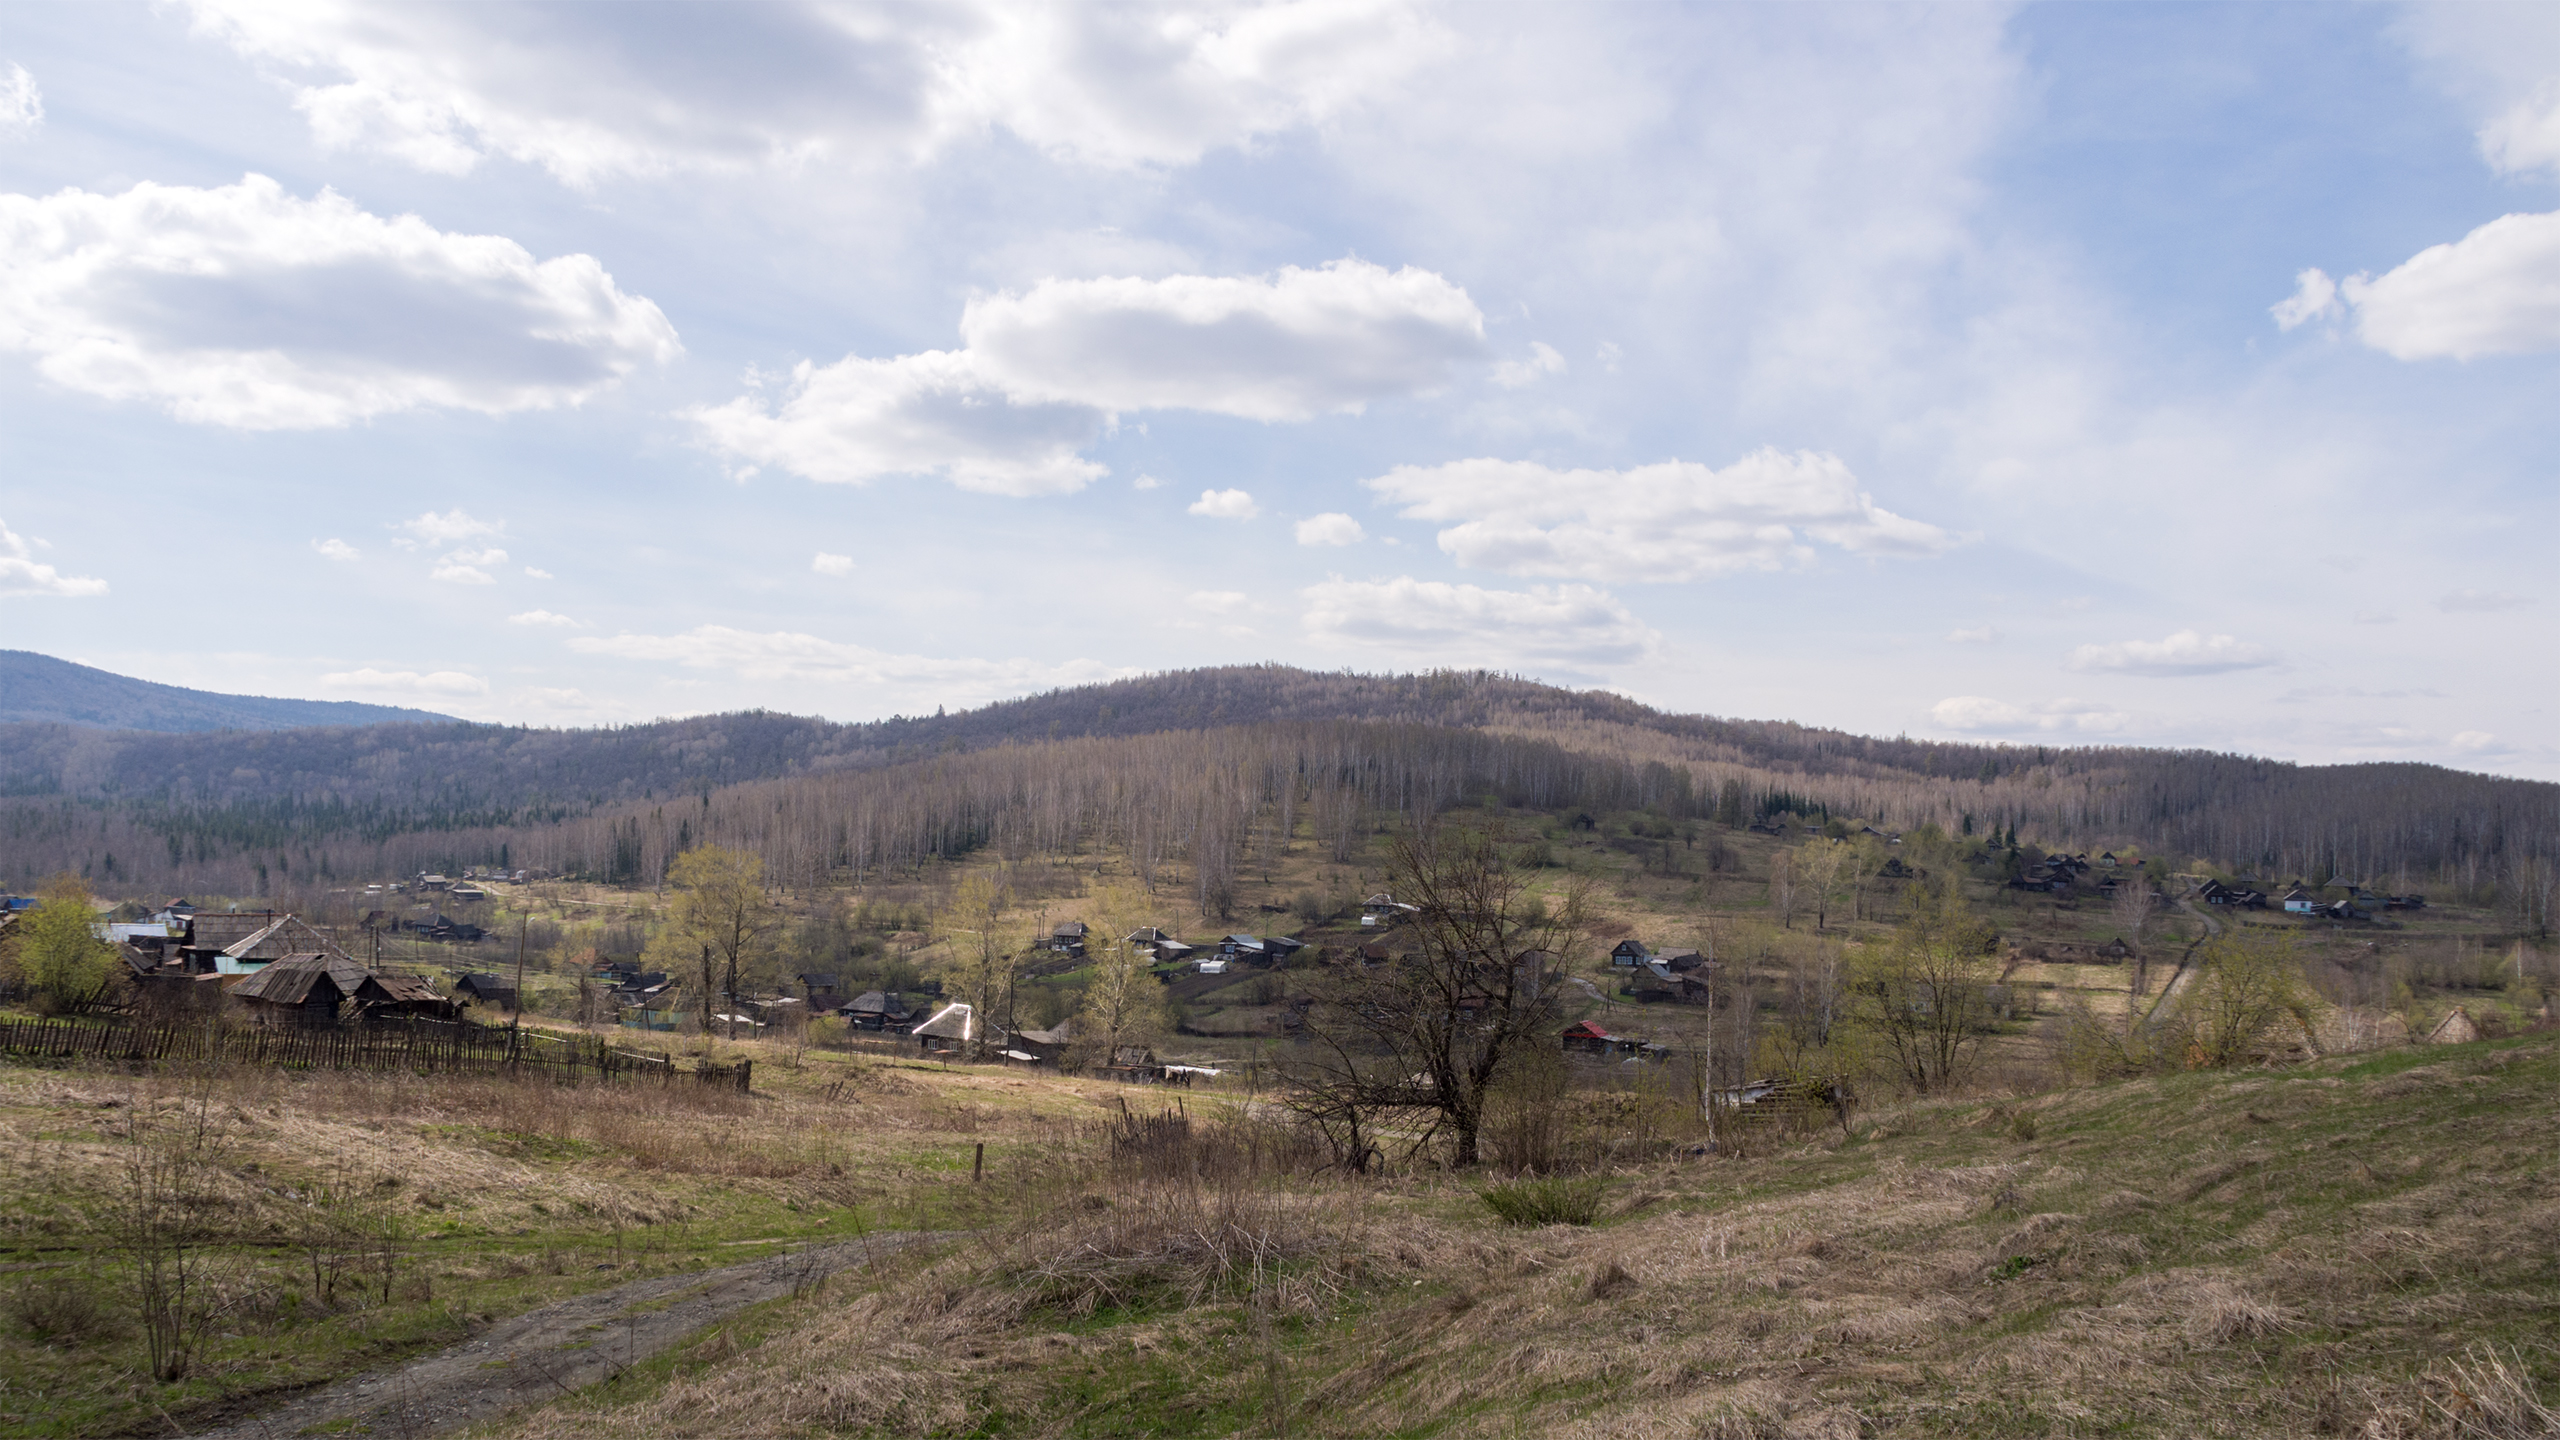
(58, 1307)
(1182, 1242)
(2484, 1395)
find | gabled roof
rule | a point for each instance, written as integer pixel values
(289, 935)
(952, 1022)
(875, 1002)
(296, 979)
(817, 980)
(1070, 930)
(397, 989)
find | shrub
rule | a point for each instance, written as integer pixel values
(58, 1307)
(1545, 1200)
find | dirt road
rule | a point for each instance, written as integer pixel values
(554, 1350)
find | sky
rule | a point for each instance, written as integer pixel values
(2083, 374)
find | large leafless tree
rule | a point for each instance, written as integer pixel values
(1477, 990)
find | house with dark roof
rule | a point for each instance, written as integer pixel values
(876, 1010)
(1629, 953)
(482, 988)
(303, 991)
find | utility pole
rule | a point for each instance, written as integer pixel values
(515, 1022)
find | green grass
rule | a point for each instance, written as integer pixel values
(1546, 1200)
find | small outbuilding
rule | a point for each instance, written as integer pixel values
(303, 991)
(482, 988)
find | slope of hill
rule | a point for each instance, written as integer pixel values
(1136, 758)
(41, 689)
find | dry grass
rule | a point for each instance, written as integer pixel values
(2251, 1256)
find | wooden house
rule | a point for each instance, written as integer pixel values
(1680, 960)
(303, 991)
(2298, 901)
(1044, 1047)
(1628, 954)
(876, 1010)
(482, 988)
(402, 996)
(819, 989)
(1069, 938)
(949, 1031)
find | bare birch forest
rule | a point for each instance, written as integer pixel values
(1192, 776)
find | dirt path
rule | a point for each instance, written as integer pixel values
(2186, 969)
(554, 1350)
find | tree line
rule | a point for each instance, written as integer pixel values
(1177, 787)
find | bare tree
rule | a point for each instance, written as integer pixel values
(2133, 907)
(722, 911)
(976, 915)
(1819, 866)
(1926, 994)
(1124, 1005)
(1479, 991)
(1784, 892)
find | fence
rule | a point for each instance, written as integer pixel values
(420, 1047)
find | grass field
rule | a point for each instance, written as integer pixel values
(2275, 1253)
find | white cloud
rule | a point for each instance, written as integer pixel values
(1215, 602)
(587, 93)
(458, 574)
(534, 574)
(336, 549)
(783, 655)
(2188, 652)
(1541, 360)
(2476, 742)
(928, 414)
(1224, 505)
(247, 307)
(2315, 295)
(826, 564)
(21, 104)
(2493, 292)
(1978, 635)
(1332, 528)
(20, 574)
(2481, 602)
(1145, 482)
(439, 683)
(490, 555)
(544, 618)
(1980, 715)
(1609, 355)
(2526, 137)
(1045, 373)
(1451, 624)
(1286, 346)
(431, 529)
(1671, 521)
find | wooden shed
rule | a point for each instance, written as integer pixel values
(301, 990)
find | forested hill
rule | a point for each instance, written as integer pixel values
(40, 688)
(208, 809)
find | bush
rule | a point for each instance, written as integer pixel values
(1548, 1200)
(58, 1307)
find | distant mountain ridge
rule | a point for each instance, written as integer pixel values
(216, 809)
(43, 690)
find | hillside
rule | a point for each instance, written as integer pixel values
(41, 690)
(2357, 1246)
(1136, 759)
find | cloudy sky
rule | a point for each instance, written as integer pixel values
(2179, 376)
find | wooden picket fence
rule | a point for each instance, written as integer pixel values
(418, 1047)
